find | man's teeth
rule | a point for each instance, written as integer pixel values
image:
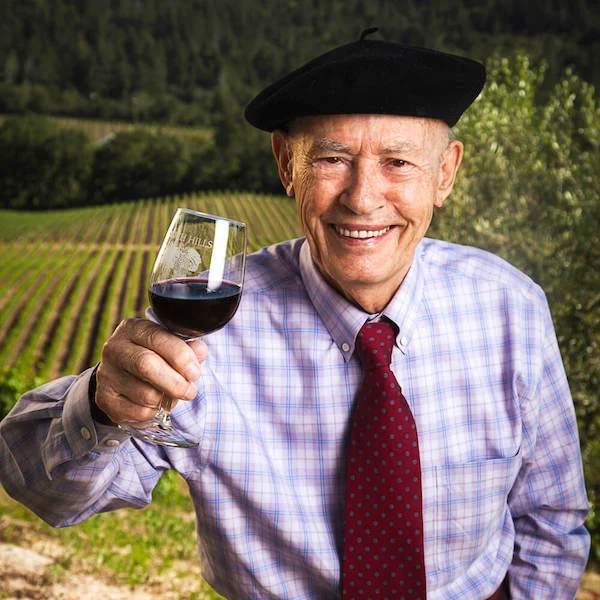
(361, 233)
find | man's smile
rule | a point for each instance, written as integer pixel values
(360, 233)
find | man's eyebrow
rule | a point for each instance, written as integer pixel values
(329, 145)
(399, 148)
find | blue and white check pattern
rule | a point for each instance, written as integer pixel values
(478, 362)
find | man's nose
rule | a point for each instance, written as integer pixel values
(363, 193)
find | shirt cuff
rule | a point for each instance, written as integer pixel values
(82, 432)
(97, 414)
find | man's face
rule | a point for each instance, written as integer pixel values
(365, 187)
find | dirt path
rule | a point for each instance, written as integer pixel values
(31, 570)
(33, 575)
(29, 574)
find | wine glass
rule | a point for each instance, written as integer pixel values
(195, 288)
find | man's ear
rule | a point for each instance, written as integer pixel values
(282, 151)
(451, 160)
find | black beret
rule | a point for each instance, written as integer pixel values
(372, 77)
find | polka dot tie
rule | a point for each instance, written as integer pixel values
(383, 526)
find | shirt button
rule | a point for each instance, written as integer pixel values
(85, 433)
(112, 443)
(403, 341)
(345, 346)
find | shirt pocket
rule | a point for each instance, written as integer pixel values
(467, 513)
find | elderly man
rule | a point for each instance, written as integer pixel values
(386, 416)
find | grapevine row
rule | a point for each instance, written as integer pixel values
(68, 277)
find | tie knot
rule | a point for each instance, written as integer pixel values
(374, 344)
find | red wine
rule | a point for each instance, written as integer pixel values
(186, 306)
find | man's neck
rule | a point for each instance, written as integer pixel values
(370, 297)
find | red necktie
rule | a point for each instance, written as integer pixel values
(383, 525)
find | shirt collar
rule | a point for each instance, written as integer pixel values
(343, 320)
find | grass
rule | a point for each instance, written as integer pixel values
(128, 547)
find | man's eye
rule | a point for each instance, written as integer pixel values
(398, 162)
(332, 160)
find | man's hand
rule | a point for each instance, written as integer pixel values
(142, 366)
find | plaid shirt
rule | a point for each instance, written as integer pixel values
(478, 361)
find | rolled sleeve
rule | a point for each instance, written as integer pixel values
(60, 463)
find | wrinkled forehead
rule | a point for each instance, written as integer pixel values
(379, 133)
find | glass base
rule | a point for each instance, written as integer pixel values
(159, 431)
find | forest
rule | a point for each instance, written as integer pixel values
(195, 61)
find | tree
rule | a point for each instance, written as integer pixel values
(42, 165)
(244, 153)
(138, 164)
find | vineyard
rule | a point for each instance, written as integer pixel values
(69, 277)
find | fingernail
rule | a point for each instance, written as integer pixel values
(192, 392)
(192, 371)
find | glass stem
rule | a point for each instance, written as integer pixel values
(162, 418)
